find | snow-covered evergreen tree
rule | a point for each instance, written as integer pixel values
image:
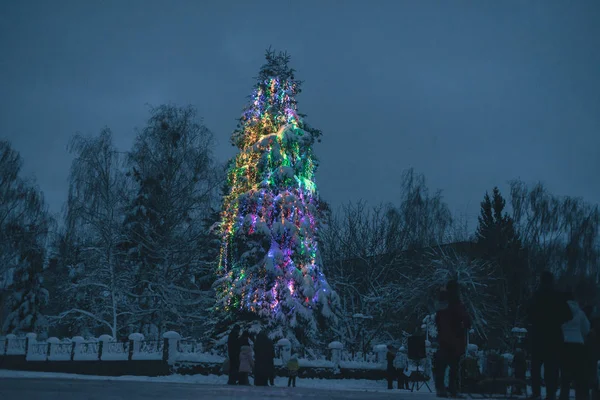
(176, 181)
(270, 266)
(24, 226)
(28, 296)
(496, 230)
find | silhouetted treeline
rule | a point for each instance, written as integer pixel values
(136, 249)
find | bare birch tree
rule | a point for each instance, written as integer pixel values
(561, 234)
(373, 253)
(100, 283)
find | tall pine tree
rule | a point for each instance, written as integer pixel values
(24, 226)
(29, 296)
(499, 242)
(270, 266)
(495, 231)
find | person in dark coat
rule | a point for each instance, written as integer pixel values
(233, 351)
(574, 358)
(520, 368)
(452, 322)
(594, 351)
(272, 366)
(391, 368)
(547, 313)
(264, 355)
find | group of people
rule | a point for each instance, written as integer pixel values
(564, 340)
(257, 359)
(452, 321)
(562, 337)
(243, 360)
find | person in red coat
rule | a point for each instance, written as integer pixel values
(452, 322)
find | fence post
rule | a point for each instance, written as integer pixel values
(51, 341)
(381, 351)
(9, 339)
(103, 345)
(130, 355)
(29, 341)
(286, 350)
(134, 344)
(336, 352)
(165, 349)
(77, 340)
(26, 345)
(171, 340)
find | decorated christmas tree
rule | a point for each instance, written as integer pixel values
(269, 264)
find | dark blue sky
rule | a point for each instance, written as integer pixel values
(470, 93)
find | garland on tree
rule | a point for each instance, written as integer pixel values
(269, 264)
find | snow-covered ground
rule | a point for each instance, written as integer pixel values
(315, 386)
(17, 385)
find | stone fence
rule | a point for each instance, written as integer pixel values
(171, 349)
(174, 354)
(104, 348)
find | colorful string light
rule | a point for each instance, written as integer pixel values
(269, 251)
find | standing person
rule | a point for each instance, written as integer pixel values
(260, 373)
(547, 313)
(574, 361)
(265, 355)
(233, 351)
(292, 366)
(452, 322)
(520, 369)
(271, 359)
(401, 364)
(391, 369)
(594, 351)
(246, 359)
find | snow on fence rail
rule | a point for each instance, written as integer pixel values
(104, 348)
(15, 345)
(60, 352)
(150, 350)
(172, 349)
(37, 352)
(115, 351)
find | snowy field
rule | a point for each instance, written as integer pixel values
(20, 385)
